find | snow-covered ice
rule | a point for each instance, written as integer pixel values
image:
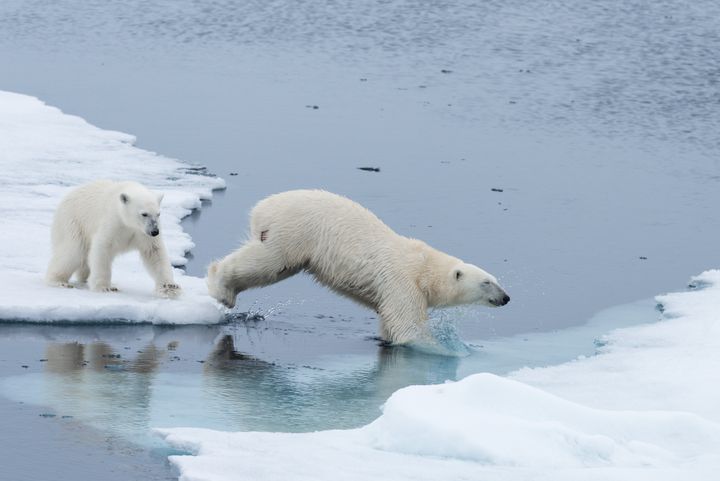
(43, 154)
(646, 407)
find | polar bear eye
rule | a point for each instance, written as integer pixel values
(144, 214)
(458, 275)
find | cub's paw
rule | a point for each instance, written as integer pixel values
(169, 290)
(104, 289)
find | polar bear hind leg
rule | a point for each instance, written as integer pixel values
(257, 265)
(66, 259)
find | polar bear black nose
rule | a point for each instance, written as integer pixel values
(505, 300)
(154, 232)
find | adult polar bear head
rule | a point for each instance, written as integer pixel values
(448, 281)
(139, 208)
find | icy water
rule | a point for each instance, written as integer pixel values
(124, 381)
(596, 122)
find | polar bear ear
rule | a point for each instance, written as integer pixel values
(124, 198)
(160, 198)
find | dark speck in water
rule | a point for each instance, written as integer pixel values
(497, 190)
(369, 169)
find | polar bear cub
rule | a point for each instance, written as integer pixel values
(347, 248)
(96, 222)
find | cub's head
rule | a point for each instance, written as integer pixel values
(218, 289)
(140, 209)
(470, 284)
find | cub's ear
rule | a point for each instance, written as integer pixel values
(160, 198)
(124, 198)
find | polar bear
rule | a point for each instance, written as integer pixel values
(347, 248)
(96, 222)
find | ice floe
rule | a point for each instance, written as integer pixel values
(43, 154)
(646, 407)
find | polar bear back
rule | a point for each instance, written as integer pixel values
(88, 208)
(339, 241)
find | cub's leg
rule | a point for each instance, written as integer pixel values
(83, 272)
(66, 259)
(100, 260)
(157, 263)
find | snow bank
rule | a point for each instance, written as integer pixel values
(646, 408)
(43, 154)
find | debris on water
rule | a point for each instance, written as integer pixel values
(363, 79)
(445, 71)
(512, 102)
(43, 360)
(24, 366)
(643, 258)
(233, 173)
(114, 367)
(369, 169)
(46, 415)
(66, 417)
(111, 356)
(201, 361)
(314, 107)
(246, 316)
(497, 190)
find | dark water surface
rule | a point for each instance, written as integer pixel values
(599, 121)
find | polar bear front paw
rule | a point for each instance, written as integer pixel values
(169, 290)
(105, 289)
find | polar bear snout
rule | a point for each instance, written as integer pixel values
(500, 300)
(151, 228)
(496, 295)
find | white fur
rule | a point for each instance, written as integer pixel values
(347, 248)
(96, 222)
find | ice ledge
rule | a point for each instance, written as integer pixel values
(43, 154)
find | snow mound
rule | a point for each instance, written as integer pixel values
(645, 408)
(43, 154)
